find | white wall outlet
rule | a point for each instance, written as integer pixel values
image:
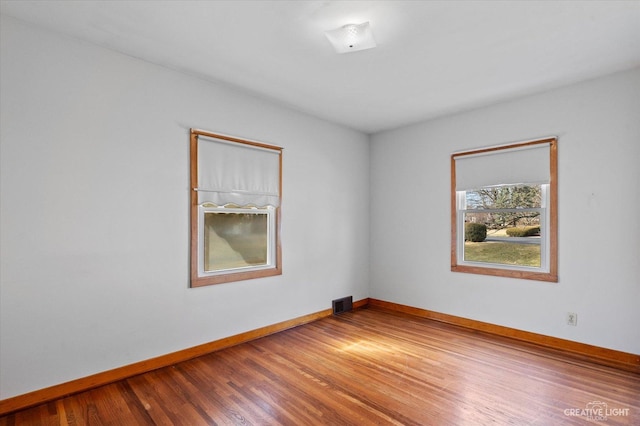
(572, 318)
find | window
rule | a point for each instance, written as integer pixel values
(504, 211)
(235, 209)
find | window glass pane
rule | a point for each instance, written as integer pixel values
(503, 238)
(235, 240)
(505, 197)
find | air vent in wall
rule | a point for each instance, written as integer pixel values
(344, 304)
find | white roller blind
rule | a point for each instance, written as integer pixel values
(528, 164)
(237, 173)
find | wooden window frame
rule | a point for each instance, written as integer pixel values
(494, 269)
(196, 279)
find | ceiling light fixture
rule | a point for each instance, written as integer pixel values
(351, 38)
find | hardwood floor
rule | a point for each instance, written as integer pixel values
(360, 368)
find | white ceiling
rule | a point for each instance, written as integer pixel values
(433, 57)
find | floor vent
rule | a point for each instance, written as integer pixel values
(342, 305)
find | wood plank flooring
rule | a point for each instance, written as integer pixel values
(361, 368)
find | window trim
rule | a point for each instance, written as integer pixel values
(220, 278)
(552, 214)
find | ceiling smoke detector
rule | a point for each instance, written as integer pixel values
(351, 38)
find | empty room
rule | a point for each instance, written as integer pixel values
(319, 212)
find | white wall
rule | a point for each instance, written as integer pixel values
(95, 184)
(598, 125)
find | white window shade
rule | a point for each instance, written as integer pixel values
(233, 173)
(528, 164)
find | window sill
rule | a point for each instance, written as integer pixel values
(237, 276)
(509, 273)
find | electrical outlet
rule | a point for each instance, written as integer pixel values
(572, 318)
